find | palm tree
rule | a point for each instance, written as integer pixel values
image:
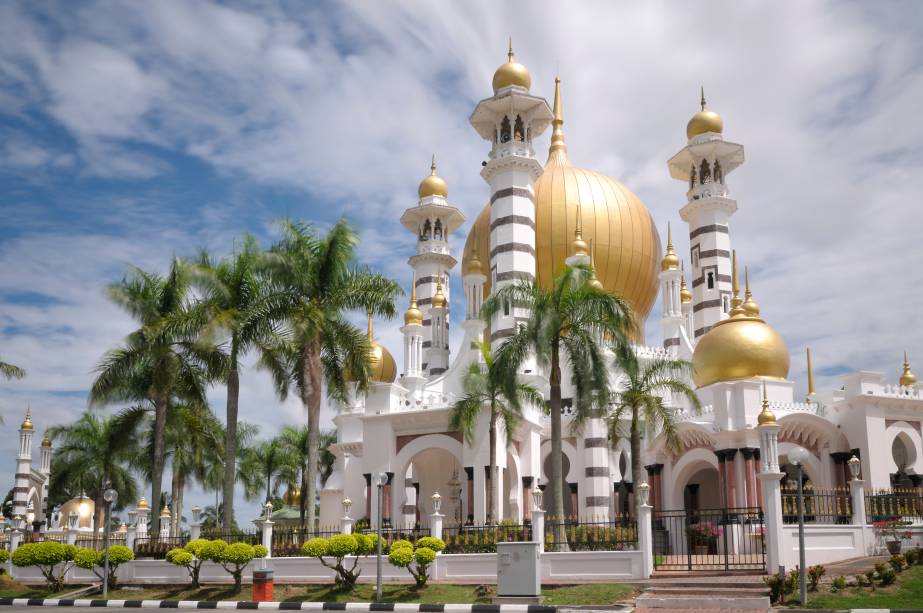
(485, 387)
(565, 324)
(236, 301)
(320, 345)
(194, 440)
(275, 463)
(10, 371)
(639, 399)
(160, 362)
(94, 450)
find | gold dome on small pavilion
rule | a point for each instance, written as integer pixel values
(511, 73)
(413, 315)
(670, 260)
(433, 185)
(27, 422)
(704, 121)
(907, 377)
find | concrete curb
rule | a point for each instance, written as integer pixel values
(277, 606)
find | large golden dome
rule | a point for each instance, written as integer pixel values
(382, 367)
(740, 347)
(616, 224)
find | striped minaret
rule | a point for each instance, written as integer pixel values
(671, 319)
(23, 467)
(703, 164)
(432, 220)
(510, 120)
(45, 469)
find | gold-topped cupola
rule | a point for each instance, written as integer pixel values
(704, 121)
(413, 316)
(908, 379)
(433, 184)
(512, 73)
(670, 260)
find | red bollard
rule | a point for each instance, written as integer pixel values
(262, 585)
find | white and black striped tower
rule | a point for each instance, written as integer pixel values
(473, 279)
(432, 220)
(23, 468)
(510, 120)
(413, 377)
(703, 164)
(671, 318)
(45, 460)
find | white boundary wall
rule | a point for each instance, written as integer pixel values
(577, 567)
(832, 543)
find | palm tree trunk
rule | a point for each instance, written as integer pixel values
(311, 397)
(230, 455)
(178, 506)
(175, 493)
(557, 478)
(157, 462)
(302, 494)
(494, 509)
(637, 471)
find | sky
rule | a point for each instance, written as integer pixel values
(131, 132)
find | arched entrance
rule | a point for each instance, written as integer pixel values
(426, 465)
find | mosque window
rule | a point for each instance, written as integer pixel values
(710, 276)
(427, 228)
(719, 173)
(505, 130)
(506, 309)
(704, 173)
(437, 232)
(519, 130)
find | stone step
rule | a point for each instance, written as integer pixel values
(723, 603)
(716, 590)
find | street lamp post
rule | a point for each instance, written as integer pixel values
(798, 456)
(382, 479)
(109, 496)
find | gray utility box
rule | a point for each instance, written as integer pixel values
(519, 569)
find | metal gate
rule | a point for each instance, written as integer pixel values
(709, 539)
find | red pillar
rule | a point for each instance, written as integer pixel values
(730, 477)
(574, 501)
(386, 501)
(526, 498)
(756, 471)
(469, 472)
(368, 496)
(722, 483)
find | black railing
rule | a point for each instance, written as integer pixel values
(617, 534)
(483, 539)
(157, 547)
(821, 506)
(287, 542)
(98, 543)
(233, 536)
(882, 505)
(389, 535)
(709, 539)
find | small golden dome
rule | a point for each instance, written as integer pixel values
(751, 308)
(473, 265)
(46, 442)
(142, 504)
(511, 73)
(27, 422)
(292, 497)
(579, 245)
(382, 367)
(704, 121)
(907, 377)
(439, 300)
(670, 260)
(433, 185)
(739, 347)
(685, 295)
(413, 315)
(766, 416)
(165, 511)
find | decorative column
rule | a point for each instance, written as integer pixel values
(195, 527)
(749, 476)
(526, 503)
(45, 470)
(165, 522)
(722, 479)
(368, 497)
(770, 482)
(436, 518)
(72, 528)
(132, 532)
(857, 490)
(409, 510)
(386, 501)
(538, 519)
(19, 531)
(645, 530)
(267, 528)
(346, 522)
(655, 492)
(574, 498)
(672, 318)
(414, 376)
(469, 473)
(596, 471)
(730, 477)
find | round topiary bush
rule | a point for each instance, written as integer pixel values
(431, 542)
(52, 559)
(400, 543)
(401, 556)
(315, 548)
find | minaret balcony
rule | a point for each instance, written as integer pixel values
(513, 147)
(440, 247)
(708, 190)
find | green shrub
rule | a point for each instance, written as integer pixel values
(401, 556)
(776, 585)
(47, 556)
(339, 547)
(404, 556)
(897, 562)
(90, 559)
(4, 556)
(182, 557)
(911, 556)
(431, 542)
(792, 582)
(259, 551)
(814, 574)
(870, 577)
(233, 558)
(400, 543)
(860, 580)
(887, 577)
(212, 550)
(195, 546)
(839, 584)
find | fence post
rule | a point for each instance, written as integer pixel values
(132, 532)
(165, 522)
(771, 483)
(267, 529)
(857, 489)
(195, 527)
(435, 524)
(71, 534)
(17, 534)
(538, 518)
(346, 522)
(645, 529)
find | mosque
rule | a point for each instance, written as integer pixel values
(538, 218)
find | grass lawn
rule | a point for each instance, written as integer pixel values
(14, 589)
(906, 593)
(434, 593)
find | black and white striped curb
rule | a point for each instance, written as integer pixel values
(280, 606)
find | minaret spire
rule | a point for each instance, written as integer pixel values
(751, 308)
(703, 97)
(432, 167)
(736, 309)
(908, 379)
(558, 150)
(509, 53)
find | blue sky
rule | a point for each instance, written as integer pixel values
(130, 132)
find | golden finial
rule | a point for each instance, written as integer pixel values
(27, 422)
(579, 245)
(670, 261)
(413, 316)
(594, 282)
(810, 374)
(766, 417)
(46, 442)
(685, 295)
(736, 308)
(751, 308)
(433, 184)
(509, 54)
(165, 512)
(142, 504)
(557, 150)
(703, 97)
(439, 300)
(908, 379)
(432, 167)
